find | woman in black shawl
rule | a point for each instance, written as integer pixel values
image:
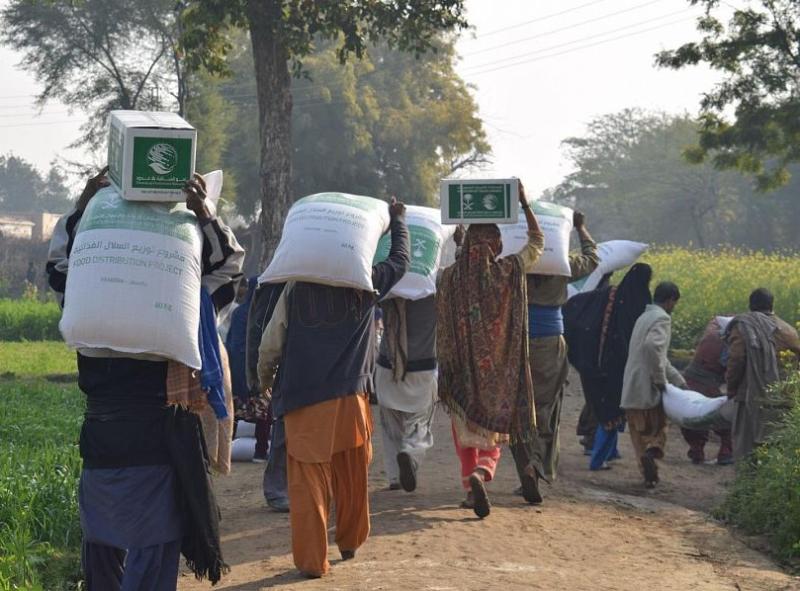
(598, 327)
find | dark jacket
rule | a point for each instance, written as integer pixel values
(326, 335)
(129, 393)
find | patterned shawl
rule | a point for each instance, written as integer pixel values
(482, 340)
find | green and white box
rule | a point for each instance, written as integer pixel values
(150, 155)
(480, 201)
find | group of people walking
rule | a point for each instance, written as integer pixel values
(492, 346)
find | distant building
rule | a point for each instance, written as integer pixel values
(28, 226)
(11, 227)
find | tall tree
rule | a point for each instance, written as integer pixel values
(100, 55)
(631, 178)
(212, 116)
(282, 34)
(387, 124)
(758, 54)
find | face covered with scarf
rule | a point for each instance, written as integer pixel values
(482, 237)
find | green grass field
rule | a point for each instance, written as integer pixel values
(29, 320)
(39, 468)
(36, 358)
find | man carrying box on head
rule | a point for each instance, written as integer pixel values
(144, 494)
(322, 338)
(548, 351)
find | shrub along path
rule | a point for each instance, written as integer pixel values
(596, 531)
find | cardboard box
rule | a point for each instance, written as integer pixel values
(150, 155)
(480, 201)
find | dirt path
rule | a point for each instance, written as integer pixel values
(596, 531)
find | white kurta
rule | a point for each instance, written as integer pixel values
(413, 394)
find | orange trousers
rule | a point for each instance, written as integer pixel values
(312, 489)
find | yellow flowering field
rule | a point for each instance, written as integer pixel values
(719, 283)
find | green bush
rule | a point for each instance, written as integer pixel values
(39, 469)
(29, 320)
(765, 497)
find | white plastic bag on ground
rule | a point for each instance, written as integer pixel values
(691, 409)
(614, 255)
(330, 238)
(243, 449)
(133, 283)
(556, 223)
(245, 429)
(427, 236)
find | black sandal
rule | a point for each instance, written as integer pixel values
(480, 498)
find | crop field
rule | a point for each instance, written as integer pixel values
(716, 283)
(40, 418)
(36, 358)
(29, 320)
(39, 467)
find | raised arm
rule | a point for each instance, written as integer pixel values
(583, 264)
(386, 274)
(222, 255)
(534, 248)
(64, 235)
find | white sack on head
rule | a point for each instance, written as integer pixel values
(331, 239)
(614, 255)
(693, 410)
(556, 224)
(449, 249)
(427, 235)
(133, 283)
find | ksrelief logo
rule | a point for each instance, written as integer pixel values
(162, 158)
(420, 245)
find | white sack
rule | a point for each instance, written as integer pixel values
(133, 283)
(723, 322)
(427, 235)
(448, 253)
(691, 409)
(213, 181)
(245, 429)
(614, 255)
(556, 223)
(243, 449)
(329, 238)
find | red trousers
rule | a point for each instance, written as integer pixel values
(473, 458)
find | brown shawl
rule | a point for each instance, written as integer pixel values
(482, 340)
(395, 332)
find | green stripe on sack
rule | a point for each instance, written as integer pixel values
(551, 209)
(109, 211)
(424, 248)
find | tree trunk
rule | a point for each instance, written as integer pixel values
(273, 83)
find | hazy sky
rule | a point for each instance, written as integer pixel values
(541, 71)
